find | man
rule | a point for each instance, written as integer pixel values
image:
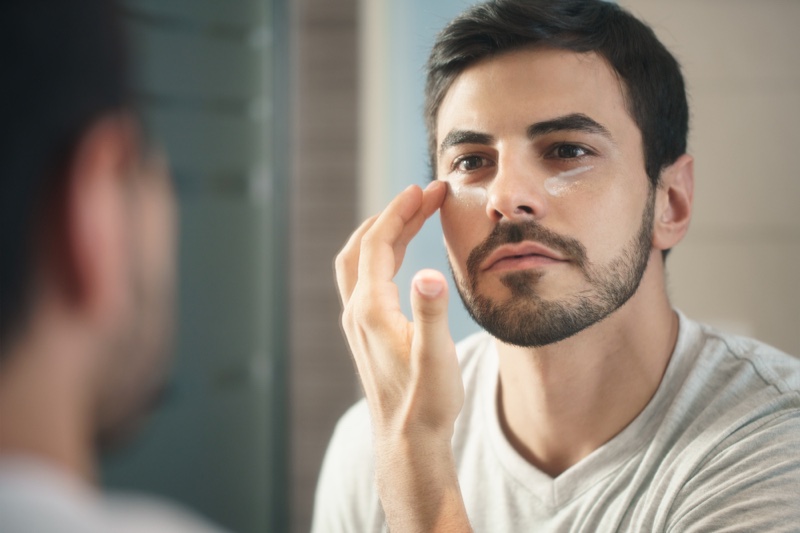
(87, 245)
(557, 134)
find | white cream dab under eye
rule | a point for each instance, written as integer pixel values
(471, 196)
(566, 181)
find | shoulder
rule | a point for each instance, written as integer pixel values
(736, 370)
(37, 498)
(740, 390)
(138, 513)
(346, 498)
(739, 464)
(750, 481)
(351, 444)
(772, 366)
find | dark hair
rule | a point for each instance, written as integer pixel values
(655, 93)
(64, 65)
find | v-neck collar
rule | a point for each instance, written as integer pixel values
(606, 460)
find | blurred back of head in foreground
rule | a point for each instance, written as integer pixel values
(86, 237)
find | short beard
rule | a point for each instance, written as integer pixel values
(527, 319)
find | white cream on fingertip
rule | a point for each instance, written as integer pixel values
(566, 181)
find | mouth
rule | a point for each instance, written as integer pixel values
(521, 256)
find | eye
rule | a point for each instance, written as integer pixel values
(469, 163)
(569, 151)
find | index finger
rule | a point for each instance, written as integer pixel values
(383, 246)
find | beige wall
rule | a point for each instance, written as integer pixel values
(739, 266)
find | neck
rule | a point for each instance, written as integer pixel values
(44, 403)
(560, 402)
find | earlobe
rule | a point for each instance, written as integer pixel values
(674, 199)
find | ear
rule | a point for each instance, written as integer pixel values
(95, 235)
(673, 206)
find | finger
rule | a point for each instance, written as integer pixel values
(408, 223)
(346, 263)
(429, 308)
(377, 261)
(434, 195)
(432, 199)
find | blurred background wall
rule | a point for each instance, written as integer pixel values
(324, 213)
(289, 121)
(255, 102)
(739, 267)
(211, 76)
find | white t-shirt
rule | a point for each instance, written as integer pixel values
(716, 449)
(36, 497)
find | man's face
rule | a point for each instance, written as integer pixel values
(139, 352)
(548, 217)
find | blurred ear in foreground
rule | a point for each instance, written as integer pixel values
(84, 233)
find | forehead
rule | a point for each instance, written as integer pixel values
(515, 89)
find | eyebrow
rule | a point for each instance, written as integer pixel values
(571, 122)
(456, 137)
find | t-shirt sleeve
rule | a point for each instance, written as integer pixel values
(752, 484)
(346, 499)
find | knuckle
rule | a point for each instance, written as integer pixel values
(342, 259)
(427, 319)
(422, 314)
(429, 311)
(339, 263)
(368, 315)
(360, 312)
(347, 317)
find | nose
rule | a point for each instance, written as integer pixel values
(515, 193)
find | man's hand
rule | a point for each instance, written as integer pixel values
(409, 370)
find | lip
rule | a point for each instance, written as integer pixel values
(520, 256)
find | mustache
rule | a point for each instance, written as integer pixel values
(515, 232)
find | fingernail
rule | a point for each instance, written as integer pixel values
(429, 287)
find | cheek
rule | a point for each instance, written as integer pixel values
(608, 223)
(462, 215)
(463, 203)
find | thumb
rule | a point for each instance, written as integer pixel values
(429, 307)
